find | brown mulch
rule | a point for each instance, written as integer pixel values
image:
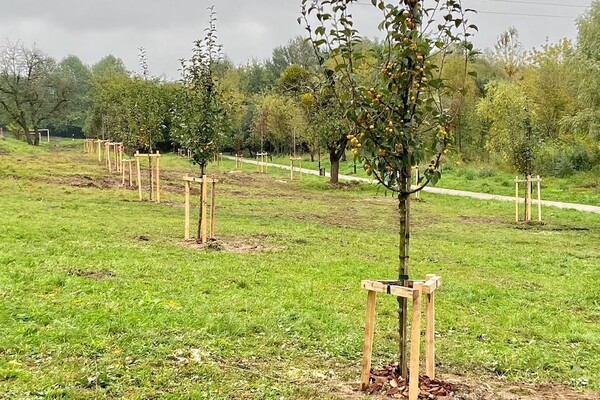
(387, 381)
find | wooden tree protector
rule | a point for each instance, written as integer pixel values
(414, 291)
(293, 161)
(261, 162)
(238, 161)
(528, 197)
(126, 165)
(218, 158)
(155, 183)
(207, 228)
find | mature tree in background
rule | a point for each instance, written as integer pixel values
(550, 83)
(33, 88)
(297, 52)
(509, 52)
(585, 124)
(108, 112)
(398, 102)
(512, 125)
(77, 110)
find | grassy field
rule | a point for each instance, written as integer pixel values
(100, 298)
(581, 187)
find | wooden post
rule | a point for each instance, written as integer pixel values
(430, 332)
(415, 338)
(158, 177)
(528, 198)
(368, 346)
(130, 173)
(203, 209)
(123, 173)
(213, 208)
(539, 194)
(99, 151)
(187, 210)
(517, 199)
(139, 174)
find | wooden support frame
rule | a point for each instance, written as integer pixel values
(218, 159)
(88, 146)
(207, 228)
(261, 162)
(293, 162)
(415, 290)
(114, 158)
(238, 161)
(39, 132)
(529, 181)
(127, 166)
(154, 183)
(99, 142)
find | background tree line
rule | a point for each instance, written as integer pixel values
(531, 110)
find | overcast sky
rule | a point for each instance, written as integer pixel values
(248, 29)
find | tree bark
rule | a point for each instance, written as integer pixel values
(334, 159)
(404, 183)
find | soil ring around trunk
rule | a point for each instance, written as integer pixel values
(385, 383)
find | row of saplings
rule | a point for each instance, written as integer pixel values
(388, 379)
(112, 155)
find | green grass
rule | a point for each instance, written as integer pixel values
(91, 311)
(581, 187)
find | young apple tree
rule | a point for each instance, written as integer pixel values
(395, 99)
(199, 117)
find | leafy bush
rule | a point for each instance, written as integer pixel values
(487, 172)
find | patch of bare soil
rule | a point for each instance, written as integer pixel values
(481, 220)
(99, 182)
(241, 245)
(97, 275)
(540, 226)
(482, 388)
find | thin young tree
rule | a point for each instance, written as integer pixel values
(199, 117)
(395, 100)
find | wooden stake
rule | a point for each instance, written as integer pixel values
(517, 199)
(99, 151)
(368, 346)
(213, 207)
(187, 211)
(122, 173)
(415, 337)
(203, 209)
(528, 198)
(158, 177)
(539, 194)
(139, 175)
(130, 175)
(430, 332)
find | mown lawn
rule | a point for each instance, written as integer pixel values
(101, 299)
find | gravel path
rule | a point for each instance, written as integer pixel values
(450, 192)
